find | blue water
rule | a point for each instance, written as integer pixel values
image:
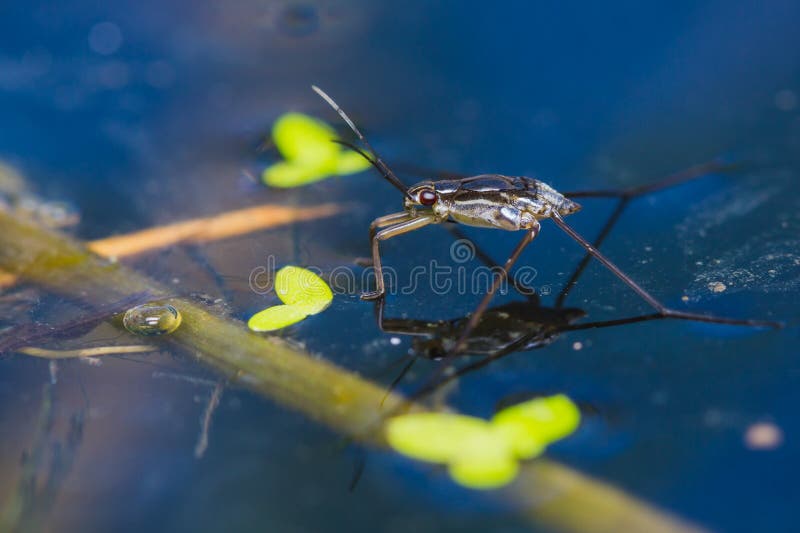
(141, 113)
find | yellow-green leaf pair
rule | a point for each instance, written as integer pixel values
(484, 454)
(302, 292)
(310, 154)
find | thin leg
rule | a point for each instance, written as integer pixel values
(624, 197)
(498, 279)
(527, 292)
(646, 296)
(399, 378)
(688, 174)
(388, 233)
(387, 220)
(612, 220)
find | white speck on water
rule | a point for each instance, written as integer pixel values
(577, 345)
(763, 436)
(717, 286)
(395, 341)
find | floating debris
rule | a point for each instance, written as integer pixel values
(85, 352)
(152, 319)
(763, 436)
(717, 286)
(16, 199)
(213, 228)
(484, 454)
(306, 144)
(302, 292)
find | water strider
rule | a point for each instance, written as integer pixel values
(518, 325)
(499, 202)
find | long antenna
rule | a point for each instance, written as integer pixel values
(376, 161)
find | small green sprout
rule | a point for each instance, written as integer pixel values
(302, 292)
(484, 454)
(310, 154)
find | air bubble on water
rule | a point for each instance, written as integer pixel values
(152, 319)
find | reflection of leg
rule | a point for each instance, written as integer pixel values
(646, 296)
(388, 233)
(440, 379)
(476, 316)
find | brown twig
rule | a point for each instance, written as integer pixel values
(222, 226)
(206, 229)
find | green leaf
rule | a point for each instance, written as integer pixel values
(433, 437)
(284, 174)
(277, 317)
(534, 424)
(350, 162)
(488, 472)
(300, 287)
(301, 138)
(310, 154)
(481, 454)
(302, 292)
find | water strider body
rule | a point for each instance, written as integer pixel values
(489, 201)
(493, 201)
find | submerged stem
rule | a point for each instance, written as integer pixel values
(555, 495)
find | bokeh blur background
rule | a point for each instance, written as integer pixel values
(147, 112)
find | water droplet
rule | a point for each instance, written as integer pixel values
(152, 319)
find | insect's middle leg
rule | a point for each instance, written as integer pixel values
(476, 316)
(388, 233)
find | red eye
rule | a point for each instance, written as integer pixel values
(427, 197)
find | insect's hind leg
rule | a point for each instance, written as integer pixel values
(624, 197)
(646, 296)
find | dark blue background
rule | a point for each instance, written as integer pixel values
(578, 94)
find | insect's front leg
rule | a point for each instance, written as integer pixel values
(387, 220)
(388, 233)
